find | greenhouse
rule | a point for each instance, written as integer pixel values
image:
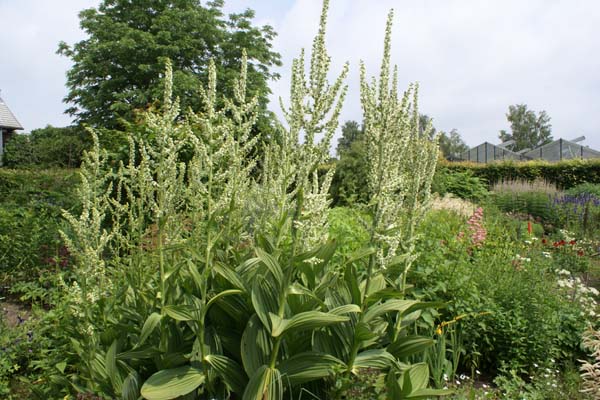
(557, 150)
(488, 152)
(562, 149)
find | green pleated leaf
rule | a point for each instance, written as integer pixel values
(306, 367)
(347, 309)
(351, 279)
(377, 283)
(419, 376)
(272, 265)
(425, 394)
(181, 312)
(384, 294)
(298, 289)
(379, 359)
(230, 371)
(139, 354)
(172, 383)
(264, 300)
(193, 270)
(307, 320)
(390, 305)
(230, 276)
(222, 294)
(408, 345)
(363, 333)
(111, 367)
(360, 254)
(150, 324)
(131, 387)
(256, 345)
(265, 384)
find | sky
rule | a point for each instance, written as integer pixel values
(471, 58)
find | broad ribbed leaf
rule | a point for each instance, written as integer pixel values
(363, 333)
(131, 387)
(409, 345)
(265, 384)
(256, 345)
(425, 394)
(298, 289)
(379, 359)
(360, 254)
(181, 312)
(305, 367)
(307, 320)
(264, 300)
(111, 367)
(149, 325)
(347, 309)
(193, 270)
(419, 376)
(139, 354)
(384, 294)
(272, 265)
(351, 279)
(222, 294)
(172, 383)
(230, 276)
(376, 284)
(390, 305)
(230, 371)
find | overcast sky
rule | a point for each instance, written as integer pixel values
(471, 58)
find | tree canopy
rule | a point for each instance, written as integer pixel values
(452, 145)
(528, 130)
(118, 68)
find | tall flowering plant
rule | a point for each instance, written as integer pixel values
(204, 279)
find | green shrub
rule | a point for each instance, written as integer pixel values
(462, 184)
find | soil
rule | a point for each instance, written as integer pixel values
(13, 313)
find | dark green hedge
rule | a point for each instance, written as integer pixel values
(564, 174)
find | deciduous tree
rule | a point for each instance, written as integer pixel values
(117, 69)
(528, 130)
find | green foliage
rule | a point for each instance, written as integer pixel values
(47, 147)
(537, 204)
(462, 184)
(30, 211)
(115, 70)
(452, 145)
(351, 132)
(528, 130)
(349, 185)
(511, 307)
(585, 188)
(564, 174)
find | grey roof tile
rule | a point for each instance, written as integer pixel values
(7, 118)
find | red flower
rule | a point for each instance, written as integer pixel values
(544, 241)
(572, 242)
(580, 253)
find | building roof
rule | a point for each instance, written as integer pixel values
(7, 118)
